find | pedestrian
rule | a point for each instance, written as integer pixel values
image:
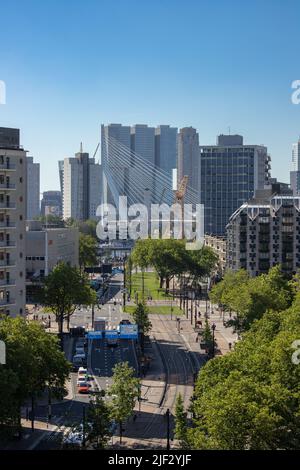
(230, 346)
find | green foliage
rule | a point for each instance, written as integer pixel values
(170, 258)
(99, 428)
(180, 430)
(87, 250)
(249, 298)
(140, 316)
(51, 220)
(33, 361)
(250, 398)
(64, 289)
(124, 391)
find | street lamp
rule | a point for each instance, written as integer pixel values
(213, 327)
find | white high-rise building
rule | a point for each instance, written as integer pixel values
(13, 182)
(81, 178)
(33, 192)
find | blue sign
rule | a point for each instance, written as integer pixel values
(111, 334)
(129, 331)
(94, 335)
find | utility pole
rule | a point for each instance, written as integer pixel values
(83, 426)
(93, 314)
(124, 279)
(168, 428)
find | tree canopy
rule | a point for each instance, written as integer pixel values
(250, 398)
(33, 361)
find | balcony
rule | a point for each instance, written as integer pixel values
(7, 283)
(6, 226)
(7, 205)
(7, 244)
(7, 186)
(4, 264)
(7, 167)
(4, 303)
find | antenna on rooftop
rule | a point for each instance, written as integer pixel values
(81, 148)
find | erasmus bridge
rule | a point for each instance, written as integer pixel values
(128, 174)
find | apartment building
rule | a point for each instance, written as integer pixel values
(13, 182)
(265, 231)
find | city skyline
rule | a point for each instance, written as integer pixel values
(232, 83)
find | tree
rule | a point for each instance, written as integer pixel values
(64, 289)
(250, 298)
(51, 220)
(141, 317)
(98, 417)
(250, 398)
(140, 258)
(33, 363)
(180, 423)
(87, 251)
(124, 392)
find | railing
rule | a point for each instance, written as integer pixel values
(7, 264)
(7, 166)
(7, 225)
(4, 302)
(6, 243)
(10, 282)
(7, 205)
(7, 186)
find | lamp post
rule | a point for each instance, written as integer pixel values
(168, 428)
(171, 310)
(213, 327)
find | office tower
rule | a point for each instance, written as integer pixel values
(264, 232)
(143, 142)
(81, 186)
(33, 189)
(112, 160)
(188, 157)
(51, 203)
(230, 173)
(61, 178)
(295, 173)
(166, 148)
(13, 182)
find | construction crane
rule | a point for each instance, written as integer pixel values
(179, 198)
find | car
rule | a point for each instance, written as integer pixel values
(83, 387)
(79, 360)
(81, 379)
(82, 370)
(80, 350)
(125, 322)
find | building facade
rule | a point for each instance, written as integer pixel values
(13, 182)
(188, 157)
(265, 231)
(295, 173)
(218, 244)
(33, 189)
(45, 247)
(230, 174)
(51, 203)
(81, 186)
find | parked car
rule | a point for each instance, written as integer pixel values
(83, 387)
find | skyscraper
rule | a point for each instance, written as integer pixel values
(166, 148)
(51, 203)
(230, 173)
(33, 189)
(81, 186)
(188, 157)
(295, 173)
(13, 184)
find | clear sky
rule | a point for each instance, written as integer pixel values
(70, 65)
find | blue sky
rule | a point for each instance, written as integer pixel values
(71, 65)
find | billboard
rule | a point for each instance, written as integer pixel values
(129, 331)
